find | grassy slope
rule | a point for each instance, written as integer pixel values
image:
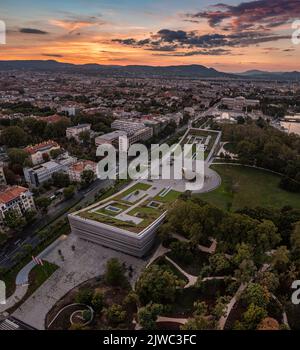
(243, 186)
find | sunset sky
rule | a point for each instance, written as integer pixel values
(230, 36)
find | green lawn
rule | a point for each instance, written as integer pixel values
(244, 186)
(137, 187)
(110, 212)
(37, 276)
(170, 197)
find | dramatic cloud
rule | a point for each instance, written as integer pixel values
(52, 55)
(75, 22)
(261, 14)
(32, 31)
(212, 52)
(169, 40)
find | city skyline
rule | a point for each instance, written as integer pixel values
(233, 36)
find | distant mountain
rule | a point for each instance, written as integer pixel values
(189, 71)
(183, 71)
(259, 74)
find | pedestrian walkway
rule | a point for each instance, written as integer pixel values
(22, 278)
(192, 280)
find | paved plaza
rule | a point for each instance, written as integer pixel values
(88, 260)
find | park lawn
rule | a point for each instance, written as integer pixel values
(38, 275)
(244, 186)
(137, 187)
(146, 213)
(110, 220)
(170, 197)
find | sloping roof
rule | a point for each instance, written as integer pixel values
(41, 146)
(11, 193)
(80, 166)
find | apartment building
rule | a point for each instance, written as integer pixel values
(2, 175)
(76, 170)
(15, 198)
(111, 138)
(39, 174)
(75, 131)
(239, 103)
(39, 152)
(126, 125)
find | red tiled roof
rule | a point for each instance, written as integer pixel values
(80, 166)
(10, 193)
(37, 147)
(52, 118)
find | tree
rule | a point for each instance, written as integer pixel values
(219, 262)
(185, 219)
(268, 279)
(61, 179)
(201, 323)
(69, 192)
(181, 251)
(87, 177)
(295, 242)
(57, 130)
(257, 295)
(84, 296)
(246, 271)
(17, 156)
(115, 314)
(264, 237)
(87, 315)
(280, 258)
(148, 314)
(165, 232)
(200, 308)
(54, 153)
(84, 136)
(10, 176)
(14, 220)
(220, 307)
(268, 324)
(14, 136)
(157, 285)
(253, 316)
(27, 248)
(98, 301)
(30, 216)
(46, 157)
(243, 252)
(114, 274)
(43, 203)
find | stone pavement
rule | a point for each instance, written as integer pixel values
(77, 266)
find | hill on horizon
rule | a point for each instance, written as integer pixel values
(144, 71)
